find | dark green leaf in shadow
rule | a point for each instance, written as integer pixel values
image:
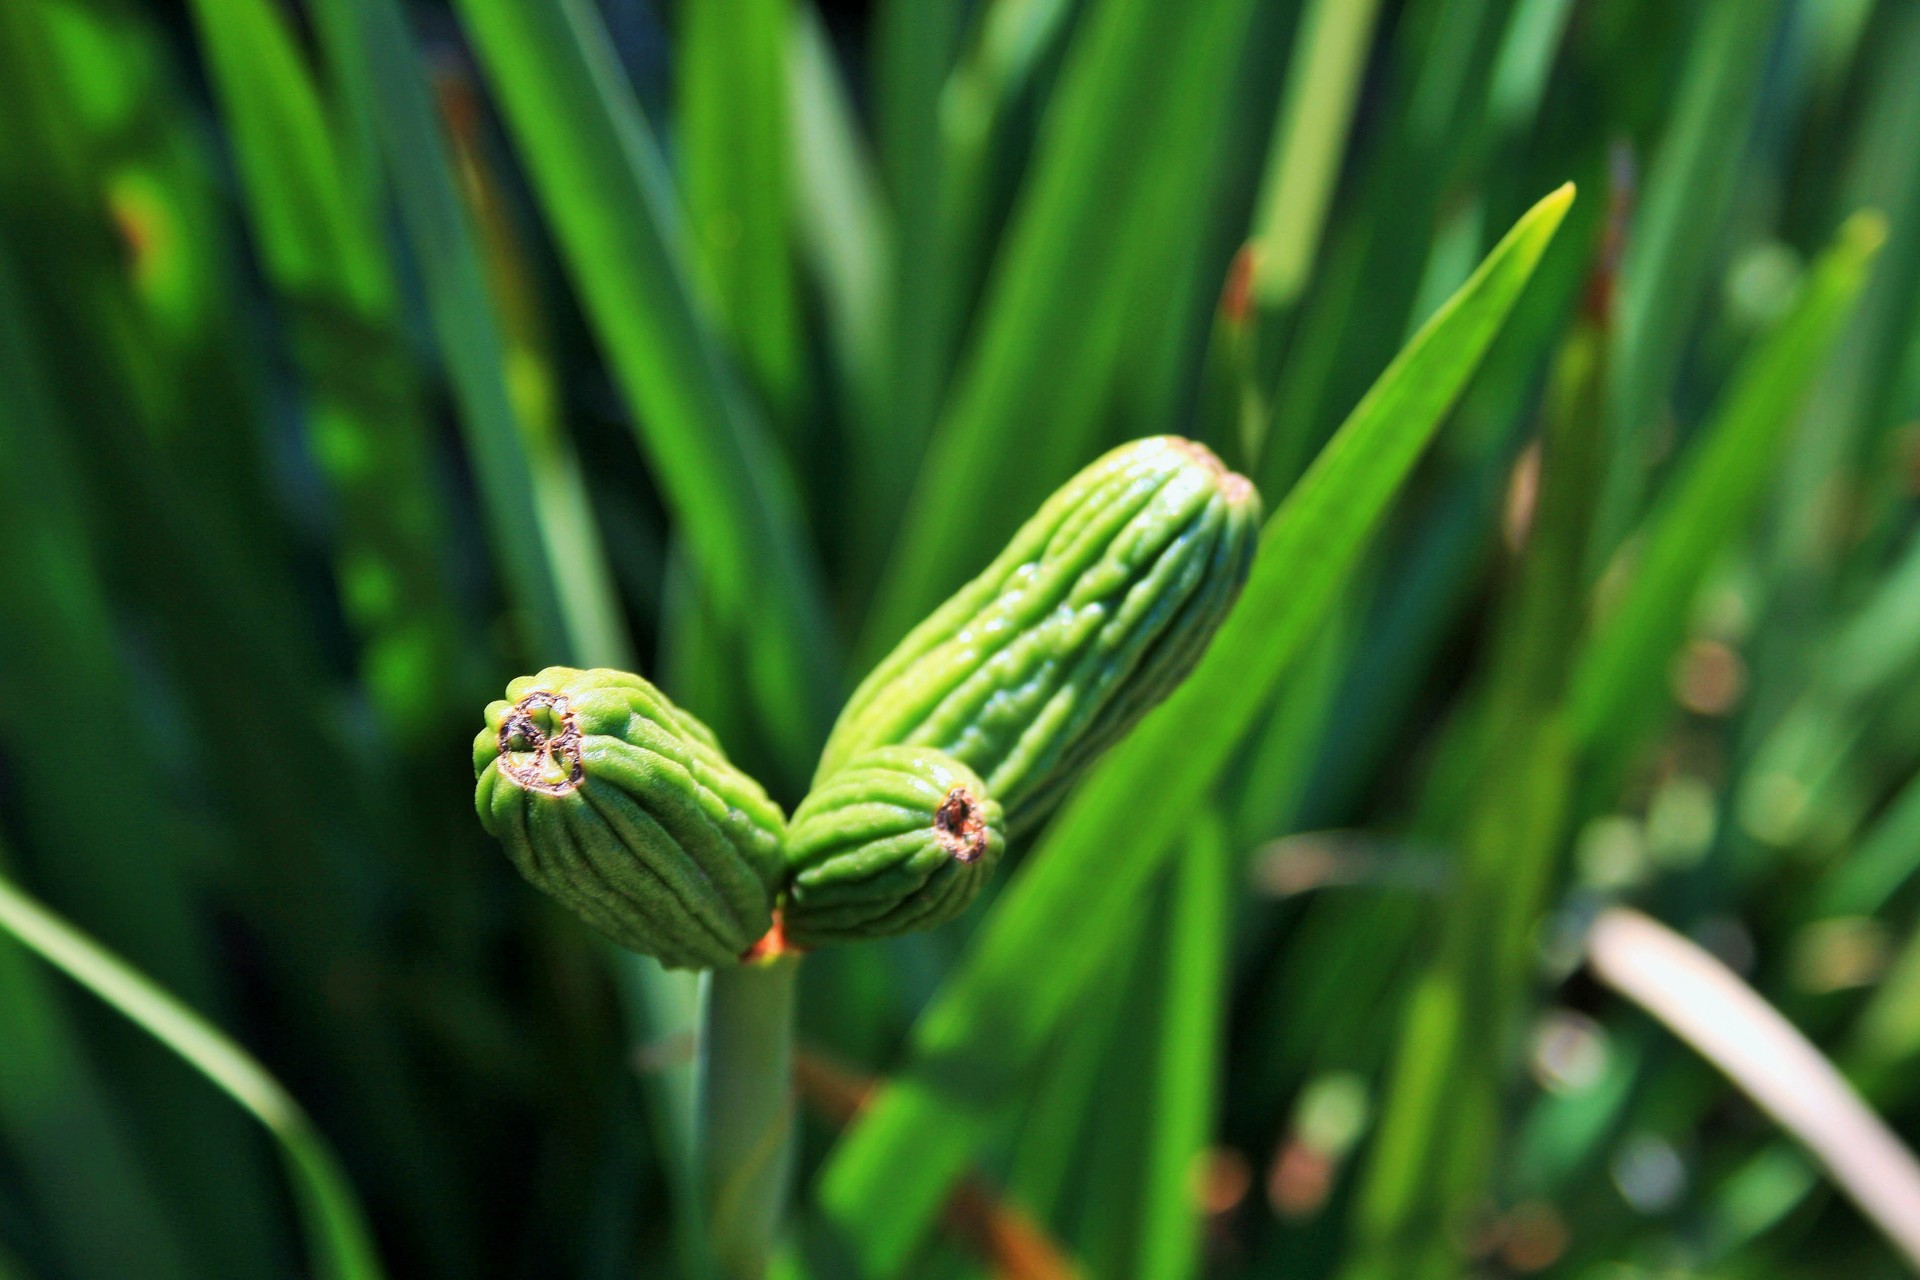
(1622, 677)
(341, 1245)
(615, 216)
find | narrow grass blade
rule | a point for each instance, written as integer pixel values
(1434, 1152)
(1857, 398)
(1859, 667)
(522, 482)
(1044, 941)
(1264, 798)
(916, 45)
(846, 235)
(1886, 860)
(1704, 1003)
(1872, 646)
(61, 632)
(983, 110)
(79, 1168)
(1361, 297)
(320, 247)
(1309, 139)
(311, 222)
(1063, 1096)
(1884, 1044)
(1108, 1142)
(576, 555)
(1103, 1209)
(1139, 95)
(1190, 1042)
(605, 191)
(1667, 269)
(1621, 678)
(1526, 59)
(1501, 796)
(341, 1245)
(370, 41)
(731, 69)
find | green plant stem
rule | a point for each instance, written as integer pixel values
(342, 1246)
(746, 1110)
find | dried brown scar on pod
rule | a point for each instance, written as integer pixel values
(957, 825)
(520, 733)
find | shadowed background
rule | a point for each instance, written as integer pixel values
(359, 355)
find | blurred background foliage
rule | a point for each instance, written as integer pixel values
(358, 355)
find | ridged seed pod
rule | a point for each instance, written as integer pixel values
(1100, 605)
(900, 838)
(622, 806)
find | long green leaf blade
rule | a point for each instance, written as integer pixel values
(531, 489)
(1623, 670)
(1666, 272)
(369, 41)
(342, 1245)
(78, 1165)
(1140, 95)
(1044, 941)
(846, 235)
(1190, 1039)
(606, 193)
(733, 104)
(915, 45)
(320, 248)
(1316, 113)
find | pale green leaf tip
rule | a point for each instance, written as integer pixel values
(1529, 237)
(1554, 204)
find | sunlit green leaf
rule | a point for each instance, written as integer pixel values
(1043, 943)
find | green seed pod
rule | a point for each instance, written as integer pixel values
(901, 838)
(1099, 606)
(622, 806)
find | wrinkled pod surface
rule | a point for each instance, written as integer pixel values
(1099, 606)
(900, 838)
(622, 806)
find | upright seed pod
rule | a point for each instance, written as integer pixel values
(900, 838)
(1099, 606)
(623, 807)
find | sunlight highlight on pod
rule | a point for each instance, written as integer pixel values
(623, 807)
(1097, 608)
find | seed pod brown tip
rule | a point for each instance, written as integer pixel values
(958, 826)
(536, 759)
